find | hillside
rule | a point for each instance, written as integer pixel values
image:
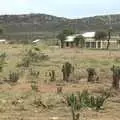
(31, 22)
(42, 23)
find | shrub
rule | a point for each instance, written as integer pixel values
(38, 102)
(92, 75)
(34, 73)
(2, 60)
(36, 55)
(34, 86)
(13, 76)
(32, 56)
(67, 69)
(59, 89)
(1, 67)
(3, 56)
(36, 48)
(47, 101)
(25, 62)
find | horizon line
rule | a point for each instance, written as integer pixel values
(61, 16)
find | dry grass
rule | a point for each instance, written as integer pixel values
(17, 100)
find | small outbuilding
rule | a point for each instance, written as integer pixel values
(69, 41)
(90, 41)
(3, 41)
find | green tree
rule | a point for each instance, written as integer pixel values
(80, 40)
(62, 36)
(109, 37)
(118, 42)
(100, 35)
(1, 30)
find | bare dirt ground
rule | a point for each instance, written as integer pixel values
(17, 100)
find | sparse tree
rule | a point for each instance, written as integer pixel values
(109, 37)
(61, 36)
(100, 35)
(1, 31)
(118, 42)
(79, 40)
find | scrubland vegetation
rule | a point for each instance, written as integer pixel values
(40, 82)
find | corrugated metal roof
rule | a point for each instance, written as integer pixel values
(2, 40)
(70, 38)
(89, 34)
(86, 35)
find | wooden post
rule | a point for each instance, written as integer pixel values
(96, 44)
(101, 46)
(90, 45)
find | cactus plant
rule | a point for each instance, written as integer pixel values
(13, 76)
(67, 69)
(52, 75)
(84, 99)
(75, 116)
(116, 77)
(2, 61)
(34, 73)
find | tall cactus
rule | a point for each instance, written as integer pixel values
(67, 69)
(52, 75)
(116, 77)
(14, 76)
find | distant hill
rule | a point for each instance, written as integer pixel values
(32, 22)
(49, 23)
(43, 22)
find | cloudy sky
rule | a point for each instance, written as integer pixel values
(63, 8)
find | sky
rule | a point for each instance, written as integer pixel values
(61, 8)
